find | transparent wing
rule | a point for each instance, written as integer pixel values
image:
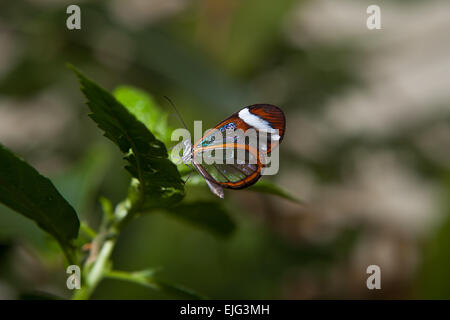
(230, 166)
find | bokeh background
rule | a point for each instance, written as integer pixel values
(367, 146)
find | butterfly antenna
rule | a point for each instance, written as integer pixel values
(176, 110)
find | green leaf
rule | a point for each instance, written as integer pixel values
(210, 215)
(144, 108)
(160, 182)
(147, 278)
(264, 186)
(29, 193)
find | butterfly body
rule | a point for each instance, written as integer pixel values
(237, 173)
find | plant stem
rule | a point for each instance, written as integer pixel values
(100, 264)
(97, 272)
(127, 276)
(88, 230)
(69, 254)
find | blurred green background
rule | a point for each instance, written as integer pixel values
(367, 143)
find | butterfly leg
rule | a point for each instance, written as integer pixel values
(190, 173)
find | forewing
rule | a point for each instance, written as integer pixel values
(260, 117)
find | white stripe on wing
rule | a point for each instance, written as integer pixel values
(257, 122)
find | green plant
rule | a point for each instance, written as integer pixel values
(132, 121)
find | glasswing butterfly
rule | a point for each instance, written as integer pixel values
(247, 159)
